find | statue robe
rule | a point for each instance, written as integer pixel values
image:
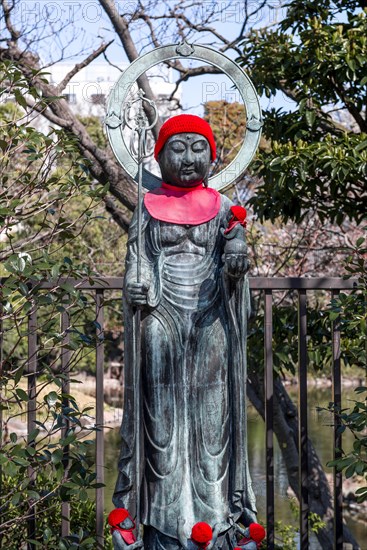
(193, 445)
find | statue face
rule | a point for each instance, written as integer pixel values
(127, 524)
(185, 160)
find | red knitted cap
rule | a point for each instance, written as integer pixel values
(185, 123)
(257, 532)
(201, 532)
(117, 516)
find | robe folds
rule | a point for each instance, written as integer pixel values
(193, 435)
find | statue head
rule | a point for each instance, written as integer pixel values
(185, 149)
(119, 518)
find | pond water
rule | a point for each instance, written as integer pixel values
(321, 435)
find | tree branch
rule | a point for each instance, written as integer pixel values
(103, 166)
(117, 214)
(102, 48)
(47, 113)
(121, 27)
(362, 123)
(7, 16)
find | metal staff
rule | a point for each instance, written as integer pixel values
(140, 125)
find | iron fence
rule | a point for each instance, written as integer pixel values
(268, 286)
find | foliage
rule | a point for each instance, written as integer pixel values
(286, 534)
(317, 159)
(350, 314)
(350, 311)
(82, 525)
(41, 174)
(285, 338)
(52, 219)
(354, 461)
(95, 129)
(227, 121)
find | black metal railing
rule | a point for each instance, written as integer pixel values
(268, 286)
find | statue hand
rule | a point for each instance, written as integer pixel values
(236, 265)
(118, 541)
(235, 258)
(137, 293)
(120, 544)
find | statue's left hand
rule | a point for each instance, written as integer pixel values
(120, 544)
(235, 258)
(118, 541)
(236, 265)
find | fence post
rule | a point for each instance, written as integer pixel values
(302, 416)
(31, 412)
(337, 390)
(269, 391)
(1, 410)
(99, 419)
(65, 388)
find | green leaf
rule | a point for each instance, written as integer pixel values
(55, 271)
(88, 541)
(349, 472)
(21, 461)
(33, 494)
(47, 534)
(68, 287)
(69, 439)
(3, 459)
(35, 542)
(310, 117)
(15, 499)
(51, 399)
(361, 145)
(57, 456)
(360, 241)
(10, 469)
(23, 395)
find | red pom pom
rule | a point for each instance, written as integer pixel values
(201, 532)
(257, 532)
(117, 516)
(239, 212)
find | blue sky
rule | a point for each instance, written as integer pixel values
(71, 29)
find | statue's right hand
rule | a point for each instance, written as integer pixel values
(137, 293)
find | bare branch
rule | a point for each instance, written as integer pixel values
(102, 48)
(7, 16)
(46, 112)
(247, 19)
(349, 104)
(187, 73)
(110, 62)
(103, 165)
(121, 27)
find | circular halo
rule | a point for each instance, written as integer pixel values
(119, 93)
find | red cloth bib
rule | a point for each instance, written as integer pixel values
(183, 206)
(128, 536)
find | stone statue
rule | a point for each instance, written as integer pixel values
(194, 303)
